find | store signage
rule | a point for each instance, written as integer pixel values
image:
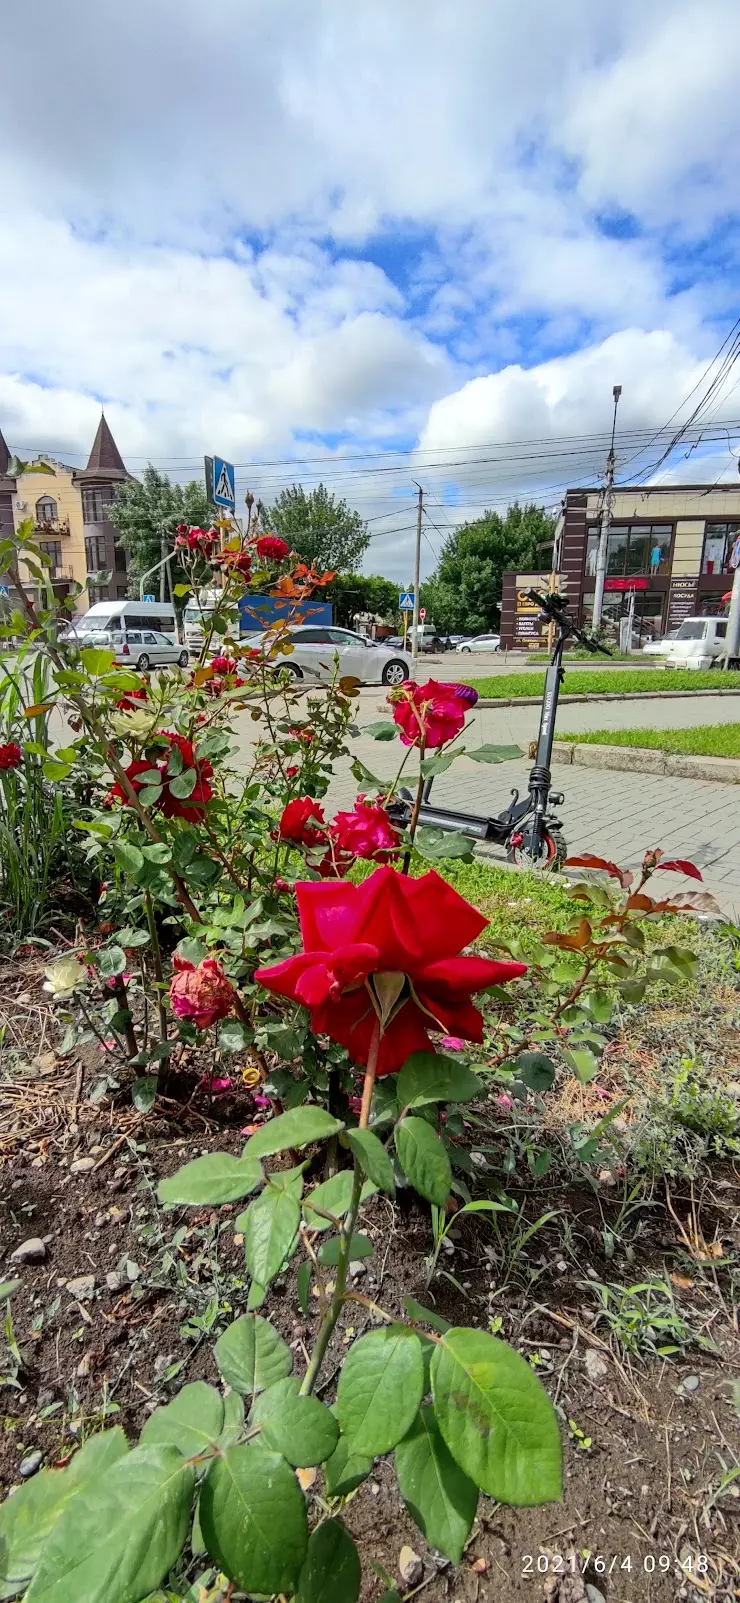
(625, 584)
(681, 600)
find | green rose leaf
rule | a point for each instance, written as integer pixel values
(111, 962)
(535, 1070)
(191, 1422)
(436, 844)
(424, 1160)
(251, 1355)
(253, 1519)
(30, 1514)
(359, 1247)
(496, 754)
(233, 1426)
(121, 1535)
(217, 1178)
(583, 1063)
(192, 950)
(380, 1389)
(496, 1418)
(143, 1092)
(332, 1572)
(96, 660)
(271, 1228)
(128, 857)
(373, 1159)
(232, 1036)
(437, 1492)
(303, 1429)
(431, 766)
(429, 1077)
(183, 785)
(332, 1196)
(345, 1470)
(381, 730)
(416, 1310)
(295, 1129)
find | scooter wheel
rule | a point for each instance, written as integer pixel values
(552, 856)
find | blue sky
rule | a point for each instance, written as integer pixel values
(376, 227)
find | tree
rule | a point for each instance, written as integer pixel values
(351, 593)
(149, 509)
(323, 530)
(464, 594)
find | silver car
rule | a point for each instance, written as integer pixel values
(138, 648)
(317, 647)
(480, 643)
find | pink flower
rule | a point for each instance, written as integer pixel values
(504, 1101)
(365, 832)
(429, 715)
(219, 1087)
(261, 1101)
(201, 994)
(453, 1043)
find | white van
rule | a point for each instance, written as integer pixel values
(108, 617)
(698, 644)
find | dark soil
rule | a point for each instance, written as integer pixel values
(635, 1498)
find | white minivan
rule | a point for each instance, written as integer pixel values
(698, 644)
(115, 617)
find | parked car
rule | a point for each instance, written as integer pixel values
(137, 648)
(658, 648)
(110, 617)
(480, 643)
(317, 647)
(454, 641)
(698, 643)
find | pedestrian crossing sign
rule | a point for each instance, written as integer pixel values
(406, 601)
(223, 483)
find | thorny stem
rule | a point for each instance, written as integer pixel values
(121, 995)
(326, 1328)
(158, 969)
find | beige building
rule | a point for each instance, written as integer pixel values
(54, 503)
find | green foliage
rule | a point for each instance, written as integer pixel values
(253, 1518)
(372, 1159)
(301, 1428)
(424, 1159)
(702, 740)
(352, 593)
(192, 1422)
(144, 510)
(464, 594)
(380, 1389)
(295, 1129)
(251, 1355)
(496, 1418)
(437, 1492)
(431, 1077)
(219, 1177)
(331, 1573)
(324, 530)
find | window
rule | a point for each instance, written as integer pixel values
(692, 629)
(149, 639)
(95, 553)
(95, 504)
(719, 539)
(616, 551)
(46, 509)
(312, 637)
(53, 550)
(720, 630)
(120, 592)
(631, 548)
(119, 557)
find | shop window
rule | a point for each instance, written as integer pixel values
(719, 541)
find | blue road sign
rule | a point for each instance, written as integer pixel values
(148, 598)
(4, 590)
(223, 483)
(406, 601)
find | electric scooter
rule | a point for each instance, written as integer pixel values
(528, 828)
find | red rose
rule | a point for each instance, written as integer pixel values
(11, 755)
(117, 792)
(128, 702)
(203, 995)
(291, 772)
(296, 825)
(387, 950)
(191, 807)
(271, 547)
(222, 665)
(429, 714)
(365, 832)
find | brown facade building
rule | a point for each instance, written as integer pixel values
(671, 547)
(97, 484)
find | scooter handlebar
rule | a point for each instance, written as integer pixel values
(554, 609)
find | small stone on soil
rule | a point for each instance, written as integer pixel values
(29, 1465)
(596, 1367)
(410, 1567)
(82, 1287)
(691, 1383)
(82, 1166)
(31, 1251)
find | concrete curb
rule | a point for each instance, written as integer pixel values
(644, 760)
(605, 695)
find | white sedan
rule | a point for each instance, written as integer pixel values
(480, 643)
(318, 647)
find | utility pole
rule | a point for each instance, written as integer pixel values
(606, 518)
(417, 579)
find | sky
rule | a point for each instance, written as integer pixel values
(376, 243)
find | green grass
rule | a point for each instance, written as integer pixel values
(612, 681)
(704, 740)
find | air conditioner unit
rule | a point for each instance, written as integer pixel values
(21, 506)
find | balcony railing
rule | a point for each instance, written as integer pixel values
(48, 526)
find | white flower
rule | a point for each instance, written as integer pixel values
(64, 976)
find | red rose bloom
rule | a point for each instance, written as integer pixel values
(128, 702)
(428, 713)
(387, 950)
(296, 823)
(223, 664)
(191, 807)
(271, 547)
(202, 995)
(117, 792)
(365, 832)
(11, 755)
(291, 772)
